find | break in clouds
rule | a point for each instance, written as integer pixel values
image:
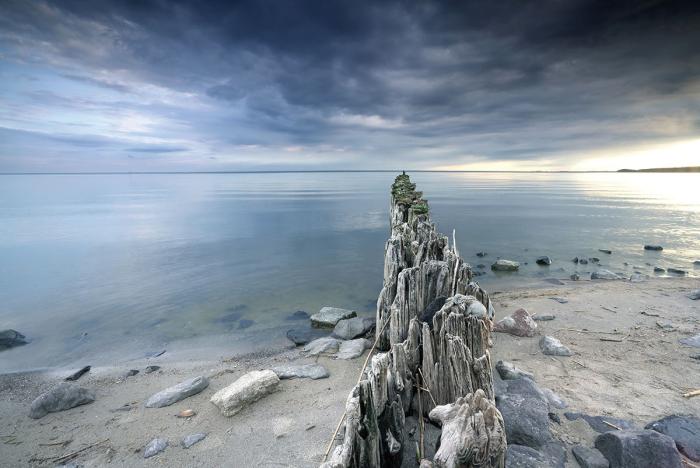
(259, 85)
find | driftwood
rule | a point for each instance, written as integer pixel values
(433, 325)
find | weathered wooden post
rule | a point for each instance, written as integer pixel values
(434, 326)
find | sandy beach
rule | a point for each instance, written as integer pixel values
(639, 376)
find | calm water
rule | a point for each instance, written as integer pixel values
(111, 267)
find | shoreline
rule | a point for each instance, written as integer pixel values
(640, 379)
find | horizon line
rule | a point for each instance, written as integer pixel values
(619, 171)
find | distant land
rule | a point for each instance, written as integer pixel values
(665, 169)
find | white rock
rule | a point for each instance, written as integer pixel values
(247, 389)
(310, 371)
(605, 275)
(505, 265)
(553, 347)
(328, 317)
(347, 329)
(155, 447)
(177, 392)
(327, 344)
(353, 348)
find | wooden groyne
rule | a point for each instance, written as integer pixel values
(434, 331)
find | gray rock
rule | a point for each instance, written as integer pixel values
(638, 449)
(605, 251)
(544, 260)
(64, 396)
(659, 270)
(554, 399)
(685, 432)
(328, 317)
(481, 254)
(519, 324)
(554, 417)
(594, 259)
(11, 338)
(605, 275)
(525, 387)
(347, 329)
(326, 345)
(302, 371)
(192, 439)
(553, 347)
(543, 317)
(505, 265)
(696, 263)
(245, 390)
(555, 281)
(508, 371)
(694, 295)
(653, 247)
(302, 336)
(601, 424)
(352, 348)
(583, 261)
(589, 457)
(677, 271)
(552, 455)
(575, 277)
(151, 369)
(638, 278)
(154, 447)
(560, 300)
(526, 419)
(691, 341)
(177, 392)
(77, 374)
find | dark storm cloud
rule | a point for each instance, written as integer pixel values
(365, 85)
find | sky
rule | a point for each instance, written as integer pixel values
(89, 86)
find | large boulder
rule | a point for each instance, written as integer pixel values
(519, 324)
(177, 392)
(589, 457)
(347, 329)
(553, 455)
(247, 389)
(302, 371)
(553, 347)
(603, 274)
(685, 432)
(638, 449)
(526, 419)
(328, 317)
(352, 349)
(11, 338)
(64, 396)
(505, 265)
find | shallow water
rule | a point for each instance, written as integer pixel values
(105, 267)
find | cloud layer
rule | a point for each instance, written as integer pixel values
(90, 86)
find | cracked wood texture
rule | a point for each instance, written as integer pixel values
(434, 326)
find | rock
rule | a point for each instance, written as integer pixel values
(352, 348)
(77, 374)
(154, 447)
(691, 341)
(553, 347)
(695, 356)
(685, 432)
(677, 271)
(347, 329)
(130, 373)
(544, 260)
(309, 371)
(150, 369)
(543, 318)
(659, 270)
(60, 398)
(526, 388)
(589, 457)
(694, 294)
(508, 371)
(638, 278)
(554, 417)
(526, 419)
(481, 266)
(653, 247)
(598, 423)
(326, 345)
(575, 277)
(302, 336)
(638, 449)
(696, 263)
(328, 317)
(594, 259)
(192, 439)
(505, 265)
(604, 275)
(560, 300)
(583, 261)
(605, 251)
(555, 281)
(554, 399)
(11, 338)
(244, 391)
(519, 324)
(186, 413)
(520, 456)
(177, 392)
(298, 315)
(481, 254)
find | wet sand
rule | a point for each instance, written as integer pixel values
(639, 378)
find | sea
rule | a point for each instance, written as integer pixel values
(102, 269)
